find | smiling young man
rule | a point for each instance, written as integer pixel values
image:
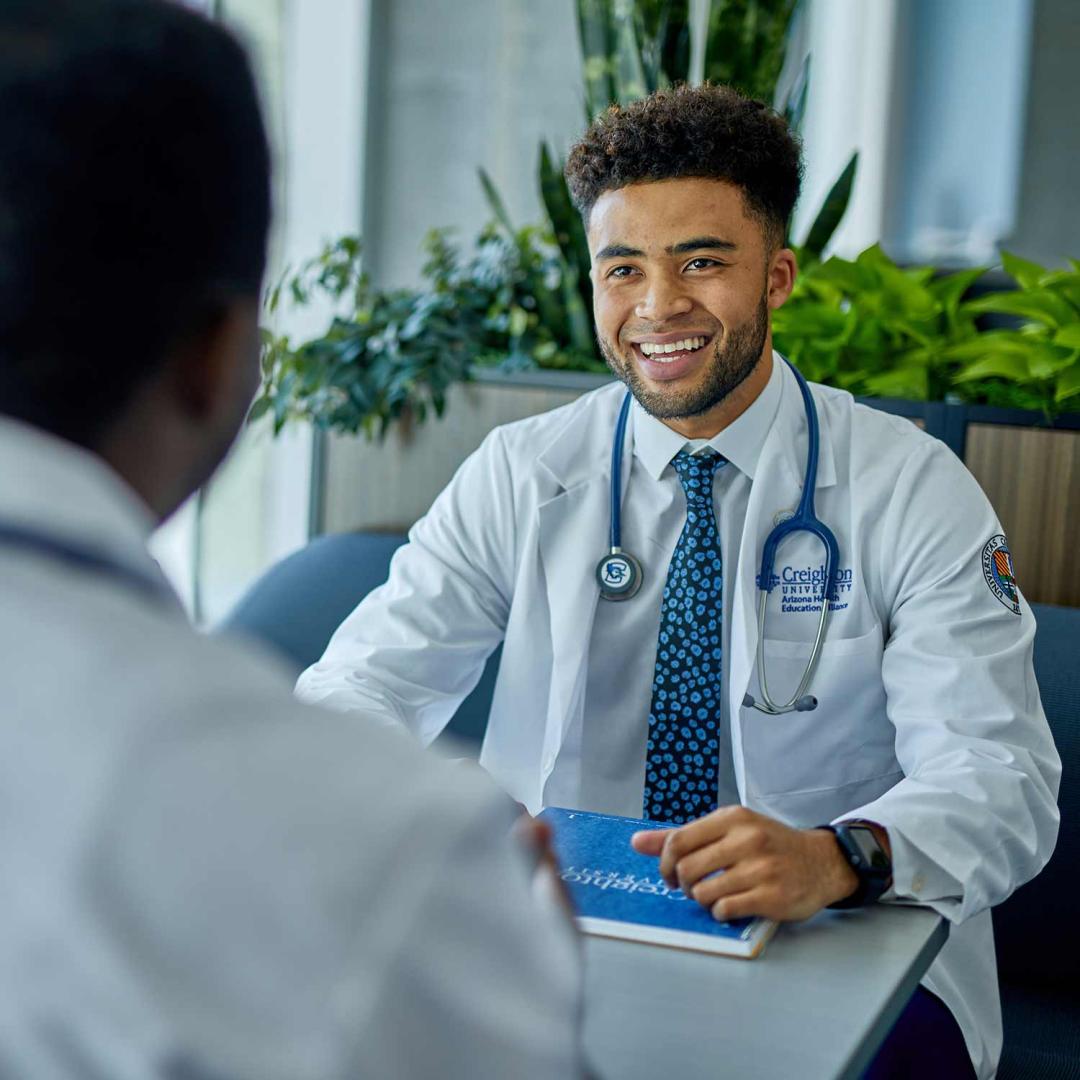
(926, 758)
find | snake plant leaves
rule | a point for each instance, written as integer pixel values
(627, 64)
(745, 44)
(793, 108)
(566, 225)
(494, 199)
(596, 33)
(832, 210)
(663, 30)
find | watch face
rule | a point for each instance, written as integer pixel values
(868, 847)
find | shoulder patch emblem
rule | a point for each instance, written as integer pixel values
(997, 567)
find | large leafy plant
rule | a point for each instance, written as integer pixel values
(391, 354)
(873, 328)
(1037, 363)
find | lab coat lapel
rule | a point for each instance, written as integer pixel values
(572, 537)
(569, 539)
(775, 491)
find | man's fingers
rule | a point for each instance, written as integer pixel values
(713, 826)
(737, 880)
(649, 841)
(690, 869)
(699, 864)
(688, 839)
(741, 905)
(722, 854)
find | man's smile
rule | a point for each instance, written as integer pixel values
(664, 357)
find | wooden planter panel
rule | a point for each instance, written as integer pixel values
(1032, 477)
(387, 486)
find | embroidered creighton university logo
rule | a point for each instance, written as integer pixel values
(997, 566)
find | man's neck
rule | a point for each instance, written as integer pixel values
(709, 424)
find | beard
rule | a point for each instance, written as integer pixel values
(736, 355)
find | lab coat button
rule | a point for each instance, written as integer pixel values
(918, 883)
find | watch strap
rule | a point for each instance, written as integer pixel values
(873, 882)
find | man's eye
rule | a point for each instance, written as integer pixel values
(702, 264)
(621, 271)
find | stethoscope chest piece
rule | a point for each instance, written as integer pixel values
(619, 575)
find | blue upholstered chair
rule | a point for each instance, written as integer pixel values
(297, 605)
(1038, 928)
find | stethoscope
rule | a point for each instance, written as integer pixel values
(620, 575)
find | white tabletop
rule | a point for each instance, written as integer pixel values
(816, 1005)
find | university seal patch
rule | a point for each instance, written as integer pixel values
(997, 567)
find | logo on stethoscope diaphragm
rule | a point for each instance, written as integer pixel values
(997, 567)
(618, 575)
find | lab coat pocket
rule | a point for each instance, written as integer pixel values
(847, 739)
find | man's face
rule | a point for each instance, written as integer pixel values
(683, 282)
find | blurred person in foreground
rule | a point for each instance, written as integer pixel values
(201, 878)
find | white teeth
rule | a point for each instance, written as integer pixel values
(650, 348)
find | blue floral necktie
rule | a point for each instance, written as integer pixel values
(682, 758)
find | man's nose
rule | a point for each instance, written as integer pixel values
(664, 298)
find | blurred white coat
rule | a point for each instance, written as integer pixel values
(201, 878)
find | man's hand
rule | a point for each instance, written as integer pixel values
(769, 868)
(536, 837)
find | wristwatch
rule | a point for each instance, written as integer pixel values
(865, 855)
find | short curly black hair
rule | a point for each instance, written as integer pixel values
(692, 131)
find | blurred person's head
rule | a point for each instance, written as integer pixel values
(686, 198)
(134, 209)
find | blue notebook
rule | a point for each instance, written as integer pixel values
(620, 893)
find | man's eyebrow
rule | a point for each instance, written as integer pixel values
(697, 243)
(618, 251)
(701, 243)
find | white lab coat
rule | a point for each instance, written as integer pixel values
(929, 719)
(202, 878)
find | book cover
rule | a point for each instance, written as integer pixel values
(618, 892)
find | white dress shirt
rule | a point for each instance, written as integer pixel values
(202, 878)
(602, 763)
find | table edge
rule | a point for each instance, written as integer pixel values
(871, 1042)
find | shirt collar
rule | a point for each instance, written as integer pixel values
(70, 494)
(655, 444)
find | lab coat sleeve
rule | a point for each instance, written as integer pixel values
(502, 961)
(975, 815)
(300, 895)
(414, 648)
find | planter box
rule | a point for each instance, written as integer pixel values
(1030, 470)
(388, 485)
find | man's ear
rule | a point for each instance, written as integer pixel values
(216, 363)
(783, 270)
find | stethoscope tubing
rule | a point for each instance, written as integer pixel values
(804, 519)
